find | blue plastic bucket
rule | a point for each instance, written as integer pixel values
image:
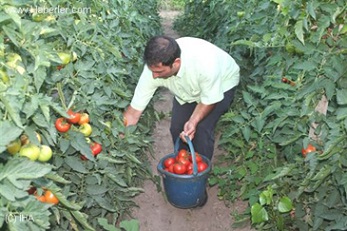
(185, 191)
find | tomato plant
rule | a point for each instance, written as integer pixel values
(79, 60)
(303, 45)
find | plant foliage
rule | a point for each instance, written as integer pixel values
(100, 42)
(277, 42)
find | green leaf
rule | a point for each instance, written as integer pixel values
(12, 12)
(341, 96)
(106, 226)
(130, 225)
(105, 203)
(13, 112)
(265, 197)
(82, 219)
(22, 169)
(259, 214)
(76, 164)
(117, 179)
(246, 132)
(285, 205)
(299, 32)
(280, 172)
(8, 133)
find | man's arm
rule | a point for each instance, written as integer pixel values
(200, 112)
(131, 116)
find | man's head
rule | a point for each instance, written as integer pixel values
(162, 56)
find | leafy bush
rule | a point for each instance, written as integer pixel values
(276, 43)
(62, 55)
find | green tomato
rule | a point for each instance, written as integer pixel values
(4, 77)
(86, 129)
(36, 17)
(45, 153)
(64, 57)
(31, 151)
(14, 146)
(240, 14)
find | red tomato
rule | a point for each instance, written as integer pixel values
(182, 153)
(168, 162)
(202, 166)
(198, 158)
(170, 168)
(96, 148)
(51, 198)
(74, 117)
(62, 125)
(310, 148)
(190, 167)
(183, 160)
(179, 168)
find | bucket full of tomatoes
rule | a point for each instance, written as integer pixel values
(185, 174)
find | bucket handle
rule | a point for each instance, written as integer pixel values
(192, 151)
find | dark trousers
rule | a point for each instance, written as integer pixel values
(203, 141)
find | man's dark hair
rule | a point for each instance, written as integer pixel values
(161, 49)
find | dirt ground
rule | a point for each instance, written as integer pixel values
(155, 213)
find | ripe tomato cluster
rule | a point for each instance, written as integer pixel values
(182, 163)
(82, 119)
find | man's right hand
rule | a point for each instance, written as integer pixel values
(131, 116)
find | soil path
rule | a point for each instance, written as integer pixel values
(155, 213)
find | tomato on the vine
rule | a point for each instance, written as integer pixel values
(96, 148)
(74, 117)
(30, 150)
(14, 146)
(84, 118)
(86, 129)
(62, 125)
(308, 149)
(51, 198)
